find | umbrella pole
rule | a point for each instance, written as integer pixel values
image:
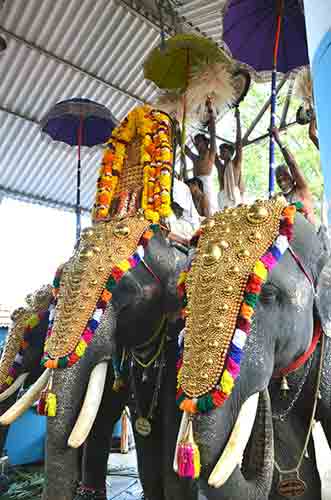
(273, 100)
(78, 218)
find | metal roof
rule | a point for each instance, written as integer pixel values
(73, 48)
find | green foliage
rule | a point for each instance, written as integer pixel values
(256, 156)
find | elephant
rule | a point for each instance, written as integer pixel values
(29, 369)
(141, 300)
(294, 297)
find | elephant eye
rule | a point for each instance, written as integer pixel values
(269, 293)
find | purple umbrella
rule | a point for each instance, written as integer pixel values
(267, 35)
(79, 122)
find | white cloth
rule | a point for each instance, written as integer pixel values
(230, 196)
(209, 190)
(225, 202)
(182, 195)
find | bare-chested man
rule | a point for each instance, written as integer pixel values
(229, 171)
(204, 161)
(291, 180)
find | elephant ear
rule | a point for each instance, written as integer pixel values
(323, 297)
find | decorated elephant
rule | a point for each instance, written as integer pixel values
(20, 361)
(271, 253)
(115, 297)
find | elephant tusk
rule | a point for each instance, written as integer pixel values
(90, 406)
(233, 452)
(14, 387)
(183, 426)
(27, 400)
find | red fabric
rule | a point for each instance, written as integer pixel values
(300, 361)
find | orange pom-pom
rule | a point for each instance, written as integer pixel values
(189, 406)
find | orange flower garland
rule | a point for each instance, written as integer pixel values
(156, 157)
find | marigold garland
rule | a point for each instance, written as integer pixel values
(156, 157)
(262, 268)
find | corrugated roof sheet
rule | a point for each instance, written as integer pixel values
(63, 49)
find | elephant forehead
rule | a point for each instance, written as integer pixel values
(85, 276)
(231, 244)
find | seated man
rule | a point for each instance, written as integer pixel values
(291, 180)
(200, 200)
(204, 161)
(229, 172)
(185, 220)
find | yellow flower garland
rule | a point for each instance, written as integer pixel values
(156, 158)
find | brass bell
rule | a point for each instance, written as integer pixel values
(284, 387)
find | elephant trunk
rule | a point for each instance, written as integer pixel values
(254, 481)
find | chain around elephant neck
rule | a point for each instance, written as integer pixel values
(312, 418)
(282, 415)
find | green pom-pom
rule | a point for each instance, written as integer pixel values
(251, 299)
(62, 362)
(111, 283)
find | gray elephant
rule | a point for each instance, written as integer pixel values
(139, 303)
(20, 361)
(293, 299)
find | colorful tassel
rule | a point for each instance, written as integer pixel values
(47, 402)
(51, 405)
(188, 455)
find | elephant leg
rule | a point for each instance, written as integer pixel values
(62, 464)
(98, 444)
(4, 406)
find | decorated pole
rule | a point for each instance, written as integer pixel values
(280, 6)
(318, 21)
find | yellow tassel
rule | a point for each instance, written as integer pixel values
(118, 384)
(51, 405)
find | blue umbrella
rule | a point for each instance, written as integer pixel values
(267, 35)
(79, 122)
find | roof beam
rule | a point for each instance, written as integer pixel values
(40, 200)
(69, 64)
(136, 7)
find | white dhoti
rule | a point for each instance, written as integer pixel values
(209, 190)
(224, 201)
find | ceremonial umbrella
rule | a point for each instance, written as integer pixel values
(267, 35)
(79, 122)
(172, 66)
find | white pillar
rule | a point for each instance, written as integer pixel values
(318, 23)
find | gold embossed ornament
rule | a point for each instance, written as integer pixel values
(101, 250)
(227, 252)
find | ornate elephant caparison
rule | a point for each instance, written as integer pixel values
(118, 286)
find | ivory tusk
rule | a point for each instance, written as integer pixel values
(13, 387)
(233, 452)
(24, 403)
(90, 406)
(183, 425)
